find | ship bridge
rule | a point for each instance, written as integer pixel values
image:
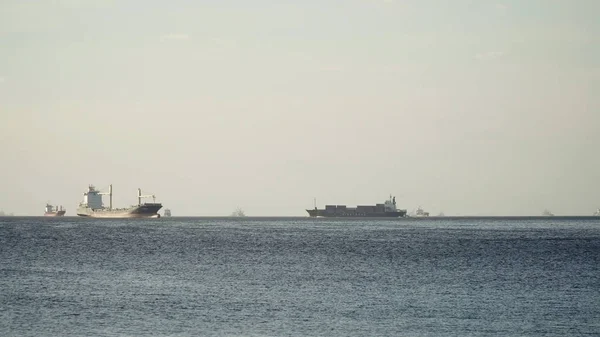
(92, 198)
(390, 205)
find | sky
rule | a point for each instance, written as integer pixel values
(465, 107)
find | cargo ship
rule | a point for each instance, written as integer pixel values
(93, 207)
(54, 211)
(387, 209)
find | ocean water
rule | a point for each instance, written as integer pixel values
(299, 277)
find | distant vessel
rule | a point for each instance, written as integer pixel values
(387, 209)
(420, 212)
(238, 213)
(167, 212)
(547, 213)
(54, 211)
(597, 213)
(92, 206)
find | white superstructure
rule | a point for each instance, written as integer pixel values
(238, 212)
(421, 212)
(54, 210)
(50, 208)
(390, 204)
(92, 198)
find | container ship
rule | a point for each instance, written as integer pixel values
(93, 207)
(387, 209)
(54, 211)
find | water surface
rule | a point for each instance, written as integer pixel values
(299, 277)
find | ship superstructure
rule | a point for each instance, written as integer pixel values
(92, 206)
(238, 213)
(54, 211)
(387, 209)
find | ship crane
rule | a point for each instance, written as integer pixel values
(109, 193)
(140, 196)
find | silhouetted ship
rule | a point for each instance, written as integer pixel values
(387, 209)
(92, 206)
(167, 212)
(54, 211)
(547, 213)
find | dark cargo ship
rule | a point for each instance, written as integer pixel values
(387, 209)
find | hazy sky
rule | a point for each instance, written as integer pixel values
(463, 106)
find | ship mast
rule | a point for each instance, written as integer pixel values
(140, 196)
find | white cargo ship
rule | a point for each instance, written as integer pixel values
(92, 206)
(54, 211)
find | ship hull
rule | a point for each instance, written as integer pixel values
(324, 214)
(140, 211)
(59, 213)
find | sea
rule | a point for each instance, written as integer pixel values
(175, 276)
